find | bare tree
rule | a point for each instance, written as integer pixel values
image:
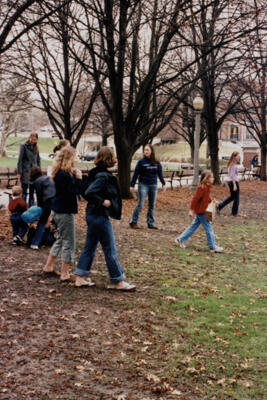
(15, 100)
(252, 108)
(66, 91)
(20, 16)
(217, 36)
(135, 43)
(183, 125)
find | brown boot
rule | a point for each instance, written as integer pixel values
(133, 225)
(65, 271)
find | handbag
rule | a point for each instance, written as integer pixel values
(211, 211)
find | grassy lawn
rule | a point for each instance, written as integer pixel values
(181, 151)
(45, 145)
(213, 312)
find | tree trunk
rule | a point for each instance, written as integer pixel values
(104, 139)
(214, 153)
(263, 163)
(124, 168)
(3, 145)
(192, 152)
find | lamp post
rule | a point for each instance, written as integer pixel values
(198, 107)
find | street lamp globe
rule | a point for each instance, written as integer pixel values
(198, 103)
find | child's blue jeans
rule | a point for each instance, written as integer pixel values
(200, 219)
(19, 227)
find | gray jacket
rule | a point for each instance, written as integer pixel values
(27, 159)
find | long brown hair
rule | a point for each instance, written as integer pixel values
(231, 159)
(105, 156)
(152, 157)
(64, 161)
(35, 147)
(205, 176)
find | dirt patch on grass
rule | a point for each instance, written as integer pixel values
(59, 342)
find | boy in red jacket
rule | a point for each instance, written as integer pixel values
(198, 207)
(17, 206)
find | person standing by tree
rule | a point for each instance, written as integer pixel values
(233, 185)
(28, 158)
(147, 170)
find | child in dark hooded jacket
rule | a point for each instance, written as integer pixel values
(45, 191)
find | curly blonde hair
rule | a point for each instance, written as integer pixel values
(64, 161)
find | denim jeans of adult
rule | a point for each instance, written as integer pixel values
(99, 229)
(234, 197)
(25, 188)
(200, 219)
(144, 191)
(46, 207)
(65, 242)
(19, 227)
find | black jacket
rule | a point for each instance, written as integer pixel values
(103, 186)
(27, 159)
(67, 189)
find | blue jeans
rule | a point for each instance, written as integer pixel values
(200, 219)
(144, 191)
(19, 227)
(234, 197)
(99, 229)
(25, 187)
(46, 207)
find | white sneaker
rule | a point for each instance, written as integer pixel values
(217, 249)
(179, 243)
(34, 247)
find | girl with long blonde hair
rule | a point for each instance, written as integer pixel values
(233, 185)
(68, 184)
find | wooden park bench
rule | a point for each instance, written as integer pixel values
(8, 177)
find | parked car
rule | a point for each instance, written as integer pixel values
(89, 156)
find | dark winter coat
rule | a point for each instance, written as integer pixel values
(67, 189)
(104, 186)
(45, 189)
(27, 159)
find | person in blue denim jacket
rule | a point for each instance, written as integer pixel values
(104, 201)
(147, 170)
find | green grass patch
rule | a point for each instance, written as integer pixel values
(214, 309)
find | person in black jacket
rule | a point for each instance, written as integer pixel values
(104, 201)
(45, 191)
(68, 182)
(28, 157)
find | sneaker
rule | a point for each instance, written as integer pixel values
(34, 247)
(15, 241)
(152, 227)
(216, 249)
(179, 243)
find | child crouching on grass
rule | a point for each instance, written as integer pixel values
(198, 207)
(17, 206)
